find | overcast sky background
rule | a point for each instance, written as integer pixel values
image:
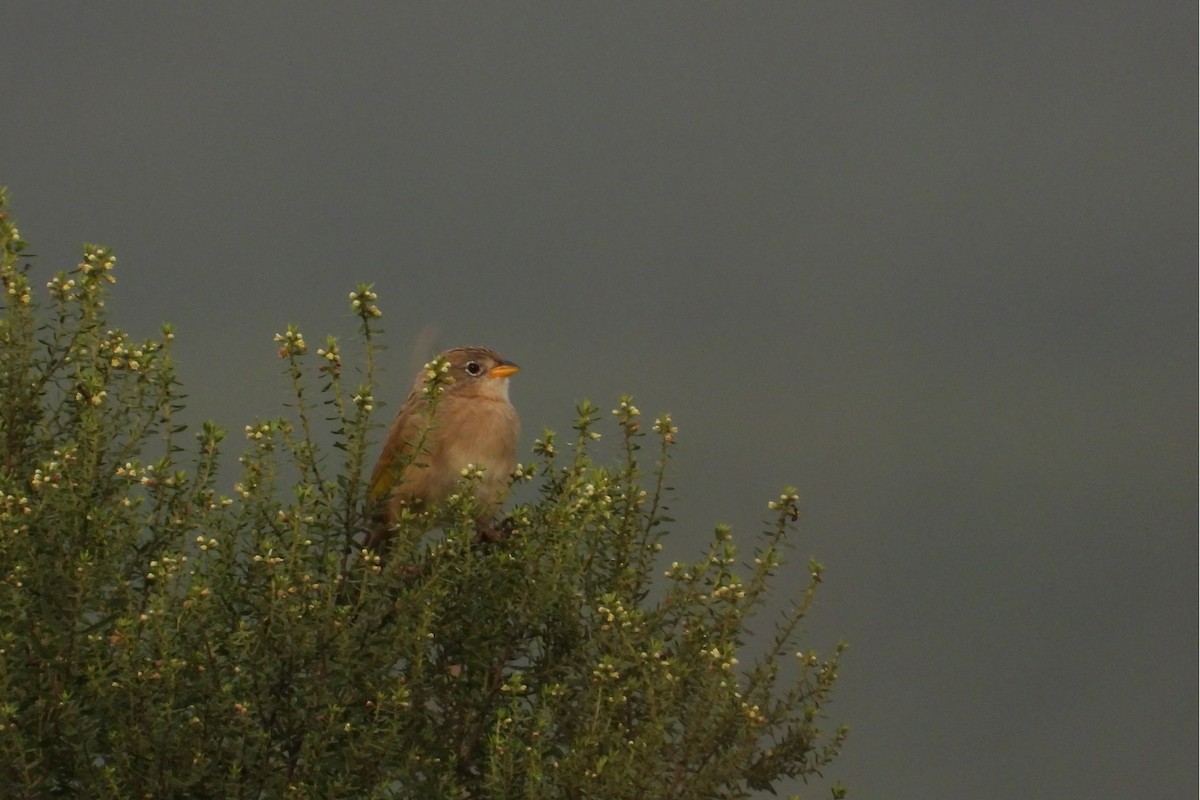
(933, 263)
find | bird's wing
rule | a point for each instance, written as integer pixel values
(396, 448)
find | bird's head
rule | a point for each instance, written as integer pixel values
(477, 371)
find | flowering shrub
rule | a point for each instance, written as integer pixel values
(162, 638)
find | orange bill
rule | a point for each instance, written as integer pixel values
(503, 370)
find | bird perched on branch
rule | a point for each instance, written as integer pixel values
(472, 422)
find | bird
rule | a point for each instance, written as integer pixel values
(472, 422)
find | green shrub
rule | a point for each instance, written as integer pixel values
(161, 639)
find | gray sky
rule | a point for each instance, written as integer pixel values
(933, 263)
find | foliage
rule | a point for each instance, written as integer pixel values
(158, 638)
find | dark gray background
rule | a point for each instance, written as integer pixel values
(933, 263)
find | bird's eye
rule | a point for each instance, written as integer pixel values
(473, 368)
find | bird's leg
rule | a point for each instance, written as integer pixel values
(487, 530)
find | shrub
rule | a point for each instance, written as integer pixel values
(161, 639)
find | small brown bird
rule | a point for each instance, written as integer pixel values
(473, 423)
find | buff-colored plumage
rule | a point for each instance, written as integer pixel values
(473, 423)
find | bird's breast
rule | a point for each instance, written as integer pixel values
(479, 431)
